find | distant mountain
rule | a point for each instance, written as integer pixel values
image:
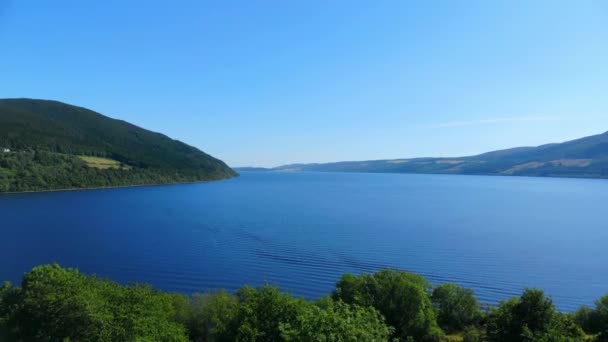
(586, 157)
(48, 145)
(250, 168)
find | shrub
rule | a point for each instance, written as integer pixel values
(456, 307)
(532, 317)
(62, 304)
(400, 297)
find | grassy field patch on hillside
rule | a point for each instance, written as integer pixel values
(103, 163)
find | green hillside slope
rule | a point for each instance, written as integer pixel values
(51, 145)
(586, 157)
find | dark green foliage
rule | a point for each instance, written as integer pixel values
(472, 334)
(601, 313)
(33, 171)
(46, 136)
(588, 319)
(57, 304)
(563, 328)
(400, 297)
(266, 314)
(8, 300)
(329, 320)
(532, 317)
(456, 307)
(182, 309)
(595, 321)
(261, 313)
(212, 315)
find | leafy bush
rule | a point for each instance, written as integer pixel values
(472, 334)
(400, 297)
(329, 320)
(55, 304)
(595, 321)
(532, 317)
(456, 307)
(212, 314)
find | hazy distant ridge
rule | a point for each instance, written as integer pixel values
(585, 157)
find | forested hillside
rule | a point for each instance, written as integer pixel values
(47, 145)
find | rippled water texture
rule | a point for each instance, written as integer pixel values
(301, 231)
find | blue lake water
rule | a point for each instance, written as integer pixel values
(301, 231)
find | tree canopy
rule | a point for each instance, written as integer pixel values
(456, 307)
(401, 297)
(531, 317)
(59, 304)
(595, 321)
(55, 304)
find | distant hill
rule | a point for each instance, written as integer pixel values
(586, 157)
(251, 168)
(47, 145)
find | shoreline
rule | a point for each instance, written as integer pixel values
(113, 187)
(435, 174)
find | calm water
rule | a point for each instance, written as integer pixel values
(301, 231)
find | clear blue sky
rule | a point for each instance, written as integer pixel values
(265, 83)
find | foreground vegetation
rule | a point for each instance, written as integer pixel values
(46, 145)
(58, 304)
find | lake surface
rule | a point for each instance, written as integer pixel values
(302, 231)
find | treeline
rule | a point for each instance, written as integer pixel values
(42, 170)
(58, 304)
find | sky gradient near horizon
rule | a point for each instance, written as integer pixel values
(266, 83)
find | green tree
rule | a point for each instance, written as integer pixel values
(59, 303)
(56, 304)
(400, 297)
(588, 319)
(601, 314)
(595, 321)
(563, 328)
(260, 314)
(472, 334)
(212, 315)
(8, 300)
(531, 317)
(182, 309)
(333, 321)
(456, 307)
(140, 313)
